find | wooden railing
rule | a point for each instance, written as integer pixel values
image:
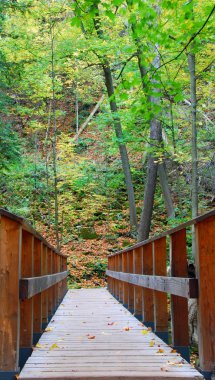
(137, 277)
(32, 285)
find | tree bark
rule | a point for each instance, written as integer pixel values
(191, 65)
(122, 146)
(117, 125)
(166, 191)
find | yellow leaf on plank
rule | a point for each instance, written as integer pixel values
(151, 343)
(38, 345)
(144, 332)
(53, 346)
(48, 329)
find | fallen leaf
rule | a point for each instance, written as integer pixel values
(173, 351)
(54, 345)
(149, 329)
(91, 337)
(48, 329)
(144, 332)
(151, 343)
(38, 345)
(140, 324)
(126, 328)
(160, 351)
(112, 323)
(165, 369)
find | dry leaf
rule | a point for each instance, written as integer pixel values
(48, 329)
(160, 351)
(173, 351)
(151, 343)
(112, 323)
(54, 345)
(149, 329)
(144, 332)
(38, 345)
(126, 328)
(165, 369)
(91, 337)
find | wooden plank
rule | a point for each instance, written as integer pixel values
(26, 306)
(179, 305)
(44, 272)
(10, 261)
(92, 336)
(183, 287)
(205, 267)
(125, 284)
(50, 290)
(34, 285)
(130, 287)
(148, 307)
(38, 297)
(160, 298)
(138, 291)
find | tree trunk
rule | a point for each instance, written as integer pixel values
(89, 118)
(117, 124)
(122, 146)
(194, 185)
(155, 139)
(191, 64)
(165, 190)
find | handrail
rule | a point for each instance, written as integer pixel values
(32, 284)
(137, 277)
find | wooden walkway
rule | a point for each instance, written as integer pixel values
(92, 336)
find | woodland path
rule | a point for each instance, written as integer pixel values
(92, 336)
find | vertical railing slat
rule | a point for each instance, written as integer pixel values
(205, 268)
(10, 255)
(179, 305)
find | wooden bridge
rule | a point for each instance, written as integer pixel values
(124, 333)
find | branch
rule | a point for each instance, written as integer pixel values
(125, 63)
(189, 42)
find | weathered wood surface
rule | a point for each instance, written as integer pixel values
(93, 336)
(34, 285)
(183, 287)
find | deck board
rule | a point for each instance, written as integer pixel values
(92, 336)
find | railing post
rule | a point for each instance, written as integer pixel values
(120, 282)
(130, 286)
(179, 305)
(125, 284)
(160, 298)
(138, 290)
(45, 292)
(50, 290)
(116, 290)
(37, 325)
(205, 268)
(148, 310)
(10, 262)
(26, 306)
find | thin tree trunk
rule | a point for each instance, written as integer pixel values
(166, 191)
(92, 113)
(54, 143)
(117, 125)
(191, 64)
(152, 167)
(122, 146)
(155, 139)
(77, 111)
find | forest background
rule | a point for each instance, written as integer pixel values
(107, 122)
